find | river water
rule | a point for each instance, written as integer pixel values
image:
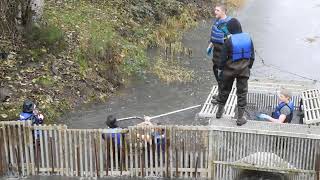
(286, 34)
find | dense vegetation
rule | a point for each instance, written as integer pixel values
(81, 51)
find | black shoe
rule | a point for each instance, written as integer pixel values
(241, 120)
(214, 101)
(220, 111)
(214, 96)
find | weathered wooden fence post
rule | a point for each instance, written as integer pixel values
(2, 169)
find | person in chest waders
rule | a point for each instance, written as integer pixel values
(219, 33)
(236, 61)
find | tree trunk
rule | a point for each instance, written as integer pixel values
(17, 15)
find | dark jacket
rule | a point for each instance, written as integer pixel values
(217, 52)
(230, 68)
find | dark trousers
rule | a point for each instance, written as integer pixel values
(218, 79)
(226, 87)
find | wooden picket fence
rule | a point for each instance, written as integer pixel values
(56, 150)
(220, 151)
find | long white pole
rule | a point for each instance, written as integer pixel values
(160, 115)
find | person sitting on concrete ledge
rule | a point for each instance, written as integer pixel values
(283, 113)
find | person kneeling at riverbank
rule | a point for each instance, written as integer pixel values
(111, 123)
(155, 138)
(283, 113)
(29, 112)
(236, 62)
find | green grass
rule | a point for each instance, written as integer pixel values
(83, 63)
(98, 40)
(115, 30)
(170, 71)
(45, 81)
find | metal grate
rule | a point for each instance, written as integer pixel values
(209, 110)
(311, 106)
(262, 94)
(268, 86)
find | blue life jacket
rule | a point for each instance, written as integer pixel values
(241, 46)
(276, 114)
(33, 118)
(25, 116)
(160, 140)
(219, 30)
(116, 137)
(30, 116)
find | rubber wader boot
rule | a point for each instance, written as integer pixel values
(214, 99)
(241, 120)
(220, 111)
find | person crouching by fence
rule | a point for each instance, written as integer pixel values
(236, 62)
(152, 140)
(112, 124)
(114, 140)
(283, 113)
(29, 112)
(156, 139)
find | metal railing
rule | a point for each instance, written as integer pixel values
(265, 147)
